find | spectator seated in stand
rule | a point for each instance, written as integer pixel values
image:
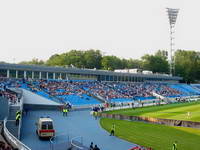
(5, 92)
(79, 92)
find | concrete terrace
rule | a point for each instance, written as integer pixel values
(77, 123)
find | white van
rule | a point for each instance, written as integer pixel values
(45, 128)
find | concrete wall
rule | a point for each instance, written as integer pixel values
(32, 98)
(3, 108)
(170, 122)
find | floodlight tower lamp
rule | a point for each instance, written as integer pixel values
(172, 15)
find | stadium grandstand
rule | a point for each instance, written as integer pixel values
(44, 72)
(41, 91)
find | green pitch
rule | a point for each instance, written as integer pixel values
(179, 111)
(159, 137)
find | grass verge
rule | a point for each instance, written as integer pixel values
(159, 137)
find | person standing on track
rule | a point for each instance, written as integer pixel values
(65, 111)
(112, 132)
(17, 119)
(91, 146)
(95, 113)
(188, 114)
(96, 148)
(174, 147)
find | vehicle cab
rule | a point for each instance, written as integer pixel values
(45, 127)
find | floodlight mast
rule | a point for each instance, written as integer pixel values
(172, 14)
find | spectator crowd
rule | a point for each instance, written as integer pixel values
(5, 92)
(106, 90)
(4, 146)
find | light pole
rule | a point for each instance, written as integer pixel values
(172, 14)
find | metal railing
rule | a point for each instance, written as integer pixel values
(12, 139)
(20, 105)
(21, 109)
(59, 140)
(74, 142)
(136, 105)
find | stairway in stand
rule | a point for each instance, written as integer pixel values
(12, 128)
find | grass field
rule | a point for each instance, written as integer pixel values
(177, 111)
(159, 137)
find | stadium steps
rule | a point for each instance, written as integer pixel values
(179, 88)
(158, 96)
(196, 88)
(45, 94)
(12, 112)
(190, 89)
(187, 89)
(99, 98)
(12, 128)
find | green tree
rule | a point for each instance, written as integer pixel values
(162, 53)
(187, 65)
(134, 63)
(80, 59)
(3, 62)
(92, 59)
(124, 64)
(156, 63)
(34, 61)
(75, 58)
(56, 60)
(111, 63)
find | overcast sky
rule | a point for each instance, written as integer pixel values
(125, 28)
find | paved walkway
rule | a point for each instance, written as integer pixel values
(77, 123)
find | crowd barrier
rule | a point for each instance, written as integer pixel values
(12, 139)
(20, 123)
(137, 104)
(77, 145)
(67, 141)
(60, 142)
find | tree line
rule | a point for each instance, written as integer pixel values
(187, 63)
